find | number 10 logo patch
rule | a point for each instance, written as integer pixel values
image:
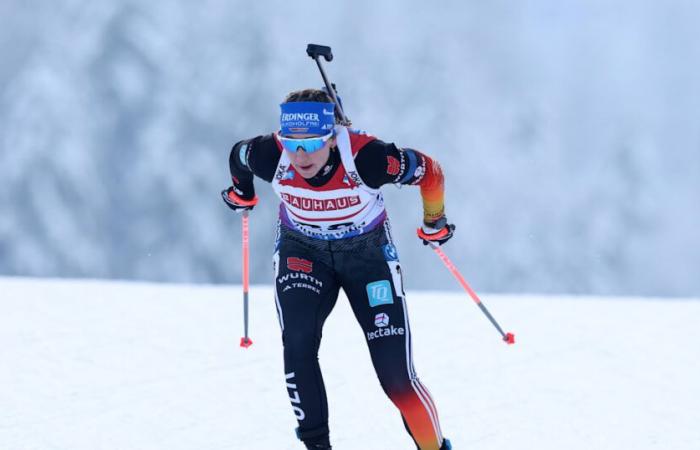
(379, 293)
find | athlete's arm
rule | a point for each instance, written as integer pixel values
(379, 163)
(259, 157)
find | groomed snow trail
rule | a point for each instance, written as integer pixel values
(95, 365)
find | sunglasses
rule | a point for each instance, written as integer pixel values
(309, 145)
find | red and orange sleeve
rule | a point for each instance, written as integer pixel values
(432, 191)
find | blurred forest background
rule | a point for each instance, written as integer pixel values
(569, 133)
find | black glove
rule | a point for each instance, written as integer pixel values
(437, 232)
(235, 202)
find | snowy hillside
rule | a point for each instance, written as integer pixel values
(114, 366)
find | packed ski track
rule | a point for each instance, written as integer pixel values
(96, 365)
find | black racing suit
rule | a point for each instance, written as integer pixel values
(308, 275)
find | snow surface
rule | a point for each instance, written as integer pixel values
(91, 365)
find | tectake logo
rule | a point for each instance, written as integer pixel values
(381, 320)
(386, 331)
(379, 293)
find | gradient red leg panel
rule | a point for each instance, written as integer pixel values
(420, 414)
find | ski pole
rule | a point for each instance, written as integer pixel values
(315, 51)
(245, 340)
(507, 337)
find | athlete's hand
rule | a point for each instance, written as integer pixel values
(237, 203)
(437, 232)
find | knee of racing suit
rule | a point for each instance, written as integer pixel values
(300, 345)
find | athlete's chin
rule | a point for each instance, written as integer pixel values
(308, 171)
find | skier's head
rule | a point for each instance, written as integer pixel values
(307, 124)
(308, 95)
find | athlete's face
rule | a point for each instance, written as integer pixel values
(309, 164)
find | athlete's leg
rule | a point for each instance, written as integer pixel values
(306, 292)
(371, 278)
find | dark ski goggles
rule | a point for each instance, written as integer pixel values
(309, 145)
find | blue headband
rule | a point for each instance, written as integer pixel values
(307, 118)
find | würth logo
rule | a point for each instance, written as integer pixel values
(312, 204)
(299, 264)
